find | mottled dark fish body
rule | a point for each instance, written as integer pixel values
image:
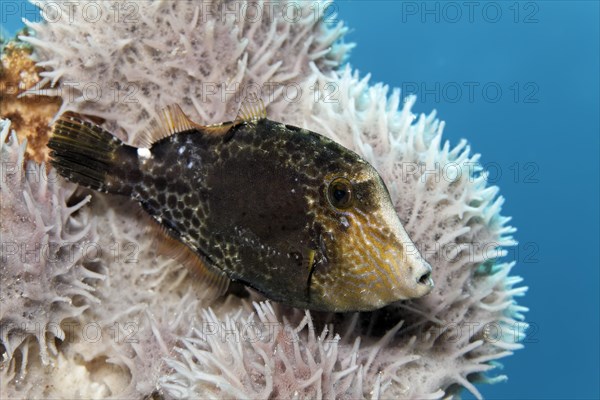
(281, 209)
(243, 200)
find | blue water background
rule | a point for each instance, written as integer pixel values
(549, 132)
(539, 137)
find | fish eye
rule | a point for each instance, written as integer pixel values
(339, 193)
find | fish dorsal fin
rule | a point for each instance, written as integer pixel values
(214, 280)
(170, 120)
(218, 129)
(251, 111)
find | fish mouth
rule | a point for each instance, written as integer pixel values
(423, 280)
(426, 279)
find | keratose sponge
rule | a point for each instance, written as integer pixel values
(156, 331)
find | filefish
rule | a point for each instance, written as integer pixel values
(281, 209)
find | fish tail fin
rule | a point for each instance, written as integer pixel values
(86, 154)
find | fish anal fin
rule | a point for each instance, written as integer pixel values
(216, 281)
(170, 121)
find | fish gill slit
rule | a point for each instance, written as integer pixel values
(309, 279)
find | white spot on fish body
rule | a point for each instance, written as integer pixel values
(144, 152)
(345, 222)
(181, 150)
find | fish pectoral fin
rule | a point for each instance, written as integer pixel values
(170, 120)
(215, 280)
(251, 111)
